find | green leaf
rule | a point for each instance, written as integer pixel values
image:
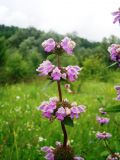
(115, 108)
(68, 121)
(113, 64)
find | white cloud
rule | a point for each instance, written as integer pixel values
(9, 17)
(92, 19)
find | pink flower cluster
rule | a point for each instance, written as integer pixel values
(114, 156)
(103, 135)
(48, 45)
(114, 51)
(118, 92)
(117, 16)
(54, 109)
(102, 120)
(101, 110)
(49, 152)
(70, 72)
(66, 44)
(45, 68)
(49, 155)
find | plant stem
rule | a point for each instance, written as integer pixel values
(65, 134)
(59, 91)
(60, 99)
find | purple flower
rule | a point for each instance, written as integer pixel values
(118, 98)
(114, 51)
(114, 156)
(117, 16)
(46, 149)
(49, 45)
(75, 112)
(63, 75)
(49, 156)
(49, 152)
(56, 74)
(48, 108)
(101, 110)
(102, 120)
(60, 114)
(68, 45)
(72, 72)
(103, 135)
(45, 68)
(117, 89)
(82, 108)
(118, 92)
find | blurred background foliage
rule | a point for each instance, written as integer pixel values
(22, 126)
(21, 53)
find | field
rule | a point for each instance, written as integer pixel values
(23, 131)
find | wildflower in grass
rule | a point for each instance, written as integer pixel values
(117, 16)
(101, 110)
(118, 98)
(68, 45)
(72, 72)
(114, 51)
(103, 135)
(49, 155)
(55, 109)
(117, 88)
(48, 69)
(102, 120)
(60, 114)
(45, 68)
(76, 110)
(48, 108)
(61, 109)
(114, 156)
(49, 45)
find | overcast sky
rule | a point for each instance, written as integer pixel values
(91, 19)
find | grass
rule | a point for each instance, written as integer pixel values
(22, 126)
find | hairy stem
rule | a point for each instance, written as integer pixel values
(59, 91)
(60, 99)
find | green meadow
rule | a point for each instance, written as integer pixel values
(23, 130)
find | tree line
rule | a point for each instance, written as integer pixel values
(21, 53)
